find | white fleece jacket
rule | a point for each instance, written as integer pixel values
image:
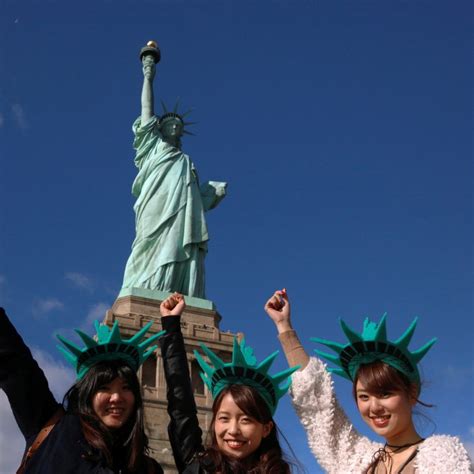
(340, 449)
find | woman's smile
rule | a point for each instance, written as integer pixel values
(235, 443)
(389, 414)
(380, 421)
(113, 403)
(238, 434)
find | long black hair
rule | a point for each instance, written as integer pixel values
(131, 436)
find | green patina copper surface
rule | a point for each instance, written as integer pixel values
(171, 232)
(162, 295)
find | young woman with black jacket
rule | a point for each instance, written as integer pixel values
(98, 429)
(243, 435)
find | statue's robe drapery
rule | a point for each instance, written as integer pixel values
(171, 233)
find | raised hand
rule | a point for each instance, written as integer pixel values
(278, 308)
(149, 66)
(173, 305)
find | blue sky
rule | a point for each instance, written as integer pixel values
(344, 132)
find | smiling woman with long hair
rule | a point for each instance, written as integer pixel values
(234, 450)
(99, 427)
(386, 388)
(243, 435)
(112, 418)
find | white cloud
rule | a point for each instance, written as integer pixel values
(469, 445)
(41, 307)
(456, 377)
(79, 280)
(60, 376)
(12, 443)
(19, 116)
(96, 312)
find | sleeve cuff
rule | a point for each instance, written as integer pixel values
(294, 351)
(171, 324)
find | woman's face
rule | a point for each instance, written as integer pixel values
(388, 414)
(113, 403)
(238, 435)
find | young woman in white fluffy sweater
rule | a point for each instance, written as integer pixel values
(385, 399)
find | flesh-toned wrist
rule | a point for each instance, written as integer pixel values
(283, 326)
(294, 351)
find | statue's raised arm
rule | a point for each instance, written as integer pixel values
(150, 56)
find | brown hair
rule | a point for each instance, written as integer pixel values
(132, 435)
(268, 458)
(379, 377)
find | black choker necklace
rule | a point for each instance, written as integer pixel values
(398, 448)
(385, 457)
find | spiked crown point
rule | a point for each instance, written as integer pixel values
(244, 370)
(372, 345)
(175, 115)
(108, 345)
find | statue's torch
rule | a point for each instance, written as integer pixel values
(151, 49)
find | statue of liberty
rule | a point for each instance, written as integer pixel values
(171, 233)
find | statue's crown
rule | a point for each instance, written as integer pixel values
(372, 345)
(175, 115)
(244, 370)
(108, 345)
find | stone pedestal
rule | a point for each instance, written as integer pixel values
(200, 323)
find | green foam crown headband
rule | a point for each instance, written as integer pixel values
(108, 345)
(243, 370)
(372, 345)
